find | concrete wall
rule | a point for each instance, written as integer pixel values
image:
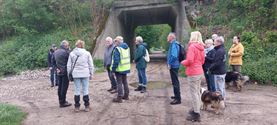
(125, 16)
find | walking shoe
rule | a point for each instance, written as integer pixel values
(66, 104)
(52, 85)
(194, 117)
(125, 97)
(138, 88)
(143, 90)
(117, 99)
(87, 109)
(175, 102)
(111, 89)
(76, 109)
(172, 97)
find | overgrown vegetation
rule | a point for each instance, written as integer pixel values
(10, 115)
(255, 22)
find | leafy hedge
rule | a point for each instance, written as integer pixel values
(30, 52)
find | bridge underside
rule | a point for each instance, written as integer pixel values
(124, 18)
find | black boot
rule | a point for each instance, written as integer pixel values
(143, 89)
(77, 103)
(194, 117)
(125, 97)
(86, 100)
(138, 88)
(118, 99)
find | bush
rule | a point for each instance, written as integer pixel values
(10, 115)
(30, 52)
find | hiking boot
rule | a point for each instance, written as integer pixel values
(87, 109)
(172, 97)
(125, 97)
(76, 109)
(66, 104)
(138, 88)
(111, 89)
(175, 102)
(117, 99)
(194, 117)
(143, 90)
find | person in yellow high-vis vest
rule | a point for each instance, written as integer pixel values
(121, 66)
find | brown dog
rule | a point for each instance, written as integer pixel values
(235, 79)
(214, 99)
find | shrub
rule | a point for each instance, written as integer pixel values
(10, 115)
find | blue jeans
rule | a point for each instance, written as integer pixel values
(142, 77)
(77, 84)
(53, 76)
(211, 83)
(219, 81)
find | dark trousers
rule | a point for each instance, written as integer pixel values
(62, 88)
(53, 76)
(210, 81)
(111, 77)
(175, 83)
(122, 85)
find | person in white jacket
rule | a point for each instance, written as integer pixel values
(81, 72)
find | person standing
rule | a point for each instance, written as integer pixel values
(209, 57)
(107, 63)
(51, 67)
(121, 67)
(81, 64)
(60, 61)
(194, 60)
(173, 65)
(141, 64)
(235, 54)
(218, 68)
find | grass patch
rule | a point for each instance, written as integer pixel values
(99, 65)
(11, 115)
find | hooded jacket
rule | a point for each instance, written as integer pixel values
(116, 58)
(194, 59)
(140, 53)
(209, 59)
(218, 65)
(84, 65)
(173, 53)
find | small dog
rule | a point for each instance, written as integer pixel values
(235, 79)
(215, 99)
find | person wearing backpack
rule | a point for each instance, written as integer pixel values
(173, 65)
(141, 64)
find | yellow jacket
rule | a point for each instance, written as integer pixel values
(235, 54)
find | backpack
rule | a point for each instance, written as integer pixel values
(146, 56)
(182, 53)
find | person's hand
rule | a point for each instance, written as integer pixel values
(50, 68)
(58, 70)
(134, 61)
(168, 67)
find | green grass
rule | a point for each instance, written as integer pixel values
(11, 115)
(99, 65)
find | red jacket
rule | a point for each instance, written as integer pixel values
(195, 59)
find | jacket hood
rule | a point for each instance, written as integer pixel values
(79, 51)
(124, 46)
(198, 46)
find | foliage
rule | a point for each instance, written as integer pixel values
(99, 64)
(10, 115)
(30, 52)
(36, 16)
(154, 35)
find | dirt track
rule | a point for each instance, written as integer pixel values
(256, 105)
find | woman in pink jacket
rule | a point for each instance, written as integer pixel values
(194, 60)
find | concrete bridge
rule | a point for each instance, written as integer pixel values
(125, 16)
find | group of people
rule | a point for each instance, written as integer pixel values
(62, 62)
(202, 59)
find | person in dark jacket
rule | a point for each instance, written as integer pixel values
(173, 65)
(121, 67)
(209, 57)
(107, 63)
(60, 61)
(218, 68)
(141, 64)
(51, 67)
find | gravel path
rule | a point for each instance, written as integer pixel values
(255, 105)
